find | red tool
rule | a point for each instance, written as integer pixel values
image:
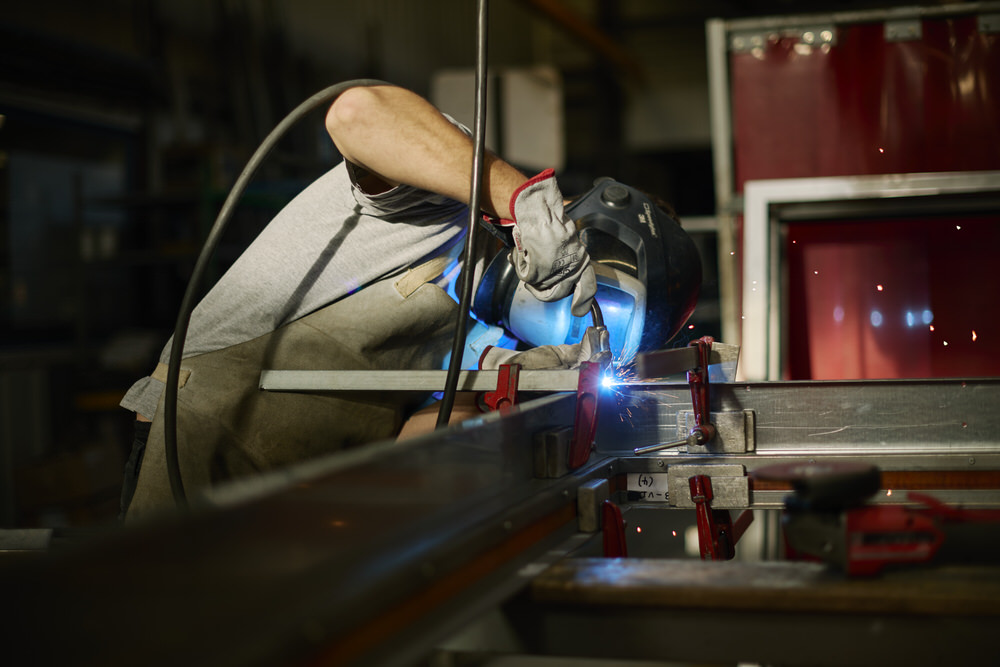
(613, 528)
(717, 533)
(585, 420)
(828, 518)
(505, 397)
(585, 417)
(698, 380)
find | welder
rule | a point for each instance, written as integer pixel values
(355, 274)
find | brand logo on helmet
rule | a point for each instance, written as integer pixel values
(646, 218)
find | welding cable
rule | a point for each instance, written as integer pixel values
(478, 140)
(324, 97)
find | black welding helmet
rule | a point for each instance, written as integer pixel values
(648, 277)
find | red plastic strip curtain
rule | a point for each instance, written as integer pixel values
(893, 299)
(862, 105)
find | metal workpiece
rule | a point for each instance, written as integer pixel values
(407, 380)
(937, 435)
(934, 418)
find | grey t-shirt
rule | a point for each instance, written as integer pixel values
(329, 241)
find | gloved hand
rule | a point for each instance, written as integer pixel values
(548, 256)
(592, 347)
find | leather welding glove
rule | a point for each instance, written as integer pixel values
(592, 347)
(548, 256)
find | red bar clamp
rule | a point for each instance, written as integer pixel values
(698, 380)
(505, 397)
(717, 533)
(613, 529)
(585, 420)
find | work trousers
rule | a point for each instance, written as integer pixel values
(227, 428)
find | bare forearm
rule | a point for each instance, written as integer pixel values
(402, 138)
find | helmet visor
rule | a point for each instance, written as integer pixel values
(622, 300)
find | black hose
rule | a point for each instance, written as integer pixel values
(324, 97)
(479, 120)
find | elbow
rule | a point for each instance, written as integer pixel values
(350, 108)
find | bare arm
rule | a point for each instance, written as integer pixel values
(401, 138)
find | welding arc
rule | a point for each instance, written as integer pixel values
(323, 98)
(478, 147)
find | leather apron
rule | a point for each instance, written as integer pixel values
(228, 428)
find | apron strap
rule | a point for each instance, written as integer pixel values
(419, 275)
(160, 373)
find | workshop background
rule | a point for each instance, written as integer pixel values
(123, 125)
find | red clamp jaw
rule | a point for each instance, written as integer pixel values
(613, 530)
(697, 378)
(585, 420)
(717, 532)
(505, 397)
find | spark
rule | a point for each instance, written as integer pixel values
(931, 327)
(974, 336)
(881, 150)
(946, 343)
(958, 226)
(674, 533)
(638, 529)
(690, 326)
(815, 273)
(888, 492)
(879, 288)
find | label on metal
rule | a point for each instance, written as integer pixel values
(650, 487)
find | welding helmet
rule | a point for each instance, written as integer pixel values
(648, 277)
